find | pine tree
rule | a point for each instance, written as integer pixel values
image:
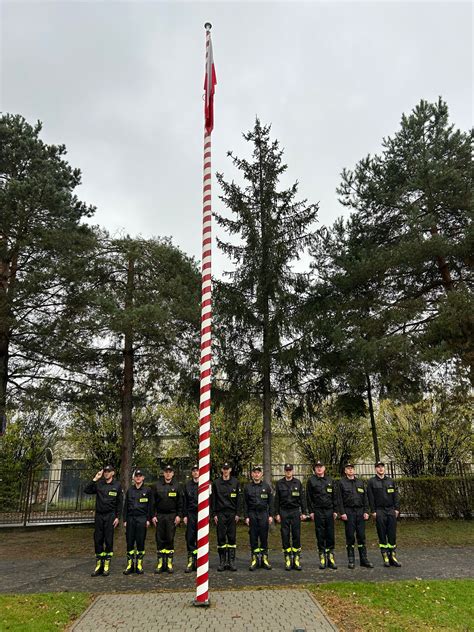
(410, 233)
(137, 325)
(43, 246)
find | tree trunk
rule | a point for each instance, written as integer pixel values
(372, 418)
(266, 341)
(127, 393)
(267, 412)
(443, 267)
(8, 272)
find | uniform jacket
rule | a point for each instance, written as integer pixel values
(190, 498)
(109, 496)
(258, 497)
(290, 496)
(226, 496)
(138, 503)
(321, 493)
(168, 498)
(382, 493)
(352, 495)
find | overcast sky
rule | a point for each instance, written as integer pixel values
(120, 83)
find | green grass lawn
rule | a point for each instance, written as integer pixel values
(390, 606)
(41, 613)
(76, 541)
(399, 606)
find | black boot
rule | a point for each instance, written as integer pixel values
(169, 563)
(159, 563)
(350, 556)
(364, 560)
(130, 568)
(189, 565)
(392, 558)
(231, 553)
(99, 567)
(139, 563)
(265, 563)
(195, 560)
(253, 562)
(322, 559)
(106, 571)
(222, 560)
(297, 560)
(386, 559)
(331, 562)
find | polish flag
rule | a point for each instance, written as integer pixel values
(209, 83)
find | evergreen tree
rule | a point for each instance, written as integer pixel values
(137, 326)
(43, 247)
(410, 234)
(256, 309)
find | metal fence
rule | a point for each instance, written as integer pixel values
(54, 496)
(45, 496)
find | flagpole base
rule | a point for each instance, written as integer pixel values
(201, 604)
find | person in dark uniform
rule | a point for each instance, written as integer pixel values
(137, 515)
(385, 508)
(225, 507)
(353, 508)
(168, 505)
(108, 509)
(321, 495)
(258, 512)
(290, 510)
(190, 514)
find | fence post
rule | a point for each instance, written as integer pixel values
(28, 496)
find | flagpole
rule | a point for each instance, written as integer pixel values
(202, 575)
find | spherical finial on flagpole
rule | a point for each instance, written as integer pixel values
(208, 26)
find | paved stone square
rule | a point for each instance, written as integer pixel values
(284, 610)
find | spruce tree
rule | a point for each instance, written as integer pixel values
(256, 308)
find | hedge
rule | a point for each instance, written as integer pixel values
(436, 497)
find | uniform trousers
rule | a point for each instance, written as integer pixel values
(290, 529)
(191, 533)
(165, 532)
(355, 526)
(104, 533)
(324, 526)
(136, 533)
(226, 530)
(258, 529)
(386, 523)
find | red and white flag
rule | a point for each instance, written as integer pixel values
(209, 84)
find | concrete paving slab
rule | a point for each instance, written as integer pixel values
(284, 610)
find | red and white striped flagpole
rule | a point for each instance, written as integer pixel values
(202, 576)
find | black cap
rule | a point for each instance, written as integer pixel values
(319, 464)
(257, 468)
(349, 464)
(288, 466)
(138, 472)
(168, 468)
(379, 463)
(108, 468)
(226, 466)
(195, 467)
